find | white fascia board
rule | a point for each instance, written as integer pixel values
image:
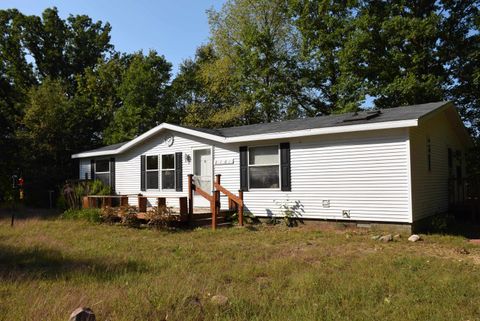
(257, 137)
(149, 134)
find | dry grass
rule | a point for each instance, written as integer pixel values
(50, 267)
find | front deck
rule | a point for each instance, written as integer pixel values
(186, 211)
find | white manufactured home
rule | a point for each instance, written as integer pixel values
(382, 166)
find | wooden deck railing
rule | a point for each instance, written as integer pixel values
(234, 201)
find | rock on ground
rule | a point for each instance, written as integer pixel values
(82, 314)
(219, 300)
(414, 238)
(386, 238)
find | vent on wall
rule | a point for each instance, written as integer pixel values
(363, 116)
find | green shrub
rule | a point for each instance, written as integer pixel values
(72, 193)
(87, 214)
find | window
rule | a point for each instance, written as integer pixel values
(152, 172)
(263, 167)
(168, 171)
(102, 171)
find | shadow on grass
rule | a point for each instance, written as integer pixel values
(22, 213)
(468, 229)
(40, 263)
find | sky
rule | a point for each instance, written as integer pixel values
(174, 28)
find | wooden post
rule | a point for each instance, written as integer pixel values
(190, 196)
(240, 209)
(213, 207)
(124, 200)
(108, 201)
(161, 201)
(183, 208)
(142, 204)
(85, 202)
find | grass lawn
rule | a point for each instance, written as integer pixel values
(50, 267)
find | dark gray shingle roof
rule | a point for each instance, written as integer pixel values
(390, 114)
(106, 148)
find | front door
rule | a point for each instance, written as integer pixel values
(202, 171)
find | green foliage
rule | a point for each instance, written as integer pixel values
(143, 91)
(266, 60)
(72, 193)
(93, 215)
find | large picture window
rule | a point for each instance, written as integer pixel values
(102, 170)
(152, 172)
(263, 167)
(168, 171)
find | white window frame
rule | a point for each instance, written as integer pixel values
(107, 172)
(152, 170)
(279, 168)
(160, 171)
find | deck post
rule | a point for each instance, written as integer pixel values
(240, 209)
(86, 202)
(161, 202)
(183, 208)
(190, 196)
(142, 204)
(124, 200)
(216, 199)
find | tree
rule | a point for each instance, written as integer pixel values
(328, 83)
(64, 48)
(253, 44)
(47, 134)
(144, 95)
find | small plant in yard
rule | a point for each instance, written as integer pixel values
(291, 213)
(71, 193)
(128, 216)
(110, 214)
(160, 217)
(248, 218)
(88, 214)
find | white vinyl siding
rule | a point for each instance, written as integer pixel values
(364, 173)
(430, 187)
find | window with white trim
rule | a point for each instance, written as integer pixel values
(102, 170)
(263, 167)
(152, 172)
(168, 171)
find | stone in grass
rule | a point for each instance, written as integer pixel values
(376, 237)
(386, 238)
(219, 300)
(397, 237)
(82, 314)
(414, 238)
